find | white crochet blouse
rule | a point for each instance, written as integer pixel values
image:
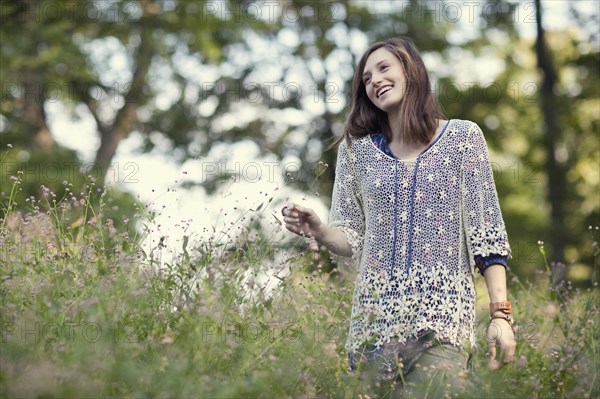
(415, 227)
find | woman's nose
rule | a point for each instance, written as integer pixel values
(376, 80)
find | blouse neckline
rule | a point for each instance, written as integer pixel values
(409, 160)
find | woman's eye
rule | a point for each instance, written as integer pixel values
(366, 81)
(383, 68)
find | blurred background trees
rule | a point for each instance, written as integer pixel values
(185, 76)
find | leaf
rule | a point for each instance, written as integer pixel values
(186, 255)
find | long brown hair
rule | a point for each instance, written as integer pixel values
(419, 109)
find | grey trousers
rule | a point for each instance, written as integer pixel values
(395, 371)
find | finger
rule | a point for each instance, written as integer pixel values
(509, 353)
(302, 209)
(293, 228)
(508, 359)
(293, 212)
(290, 219)
(492, 350)
(292, 222)
(493, 364)
(512, 350)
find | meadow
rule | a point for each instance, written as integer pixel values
(89, 310)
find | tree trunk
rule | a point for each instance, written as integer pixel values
(556, 174)
(35, 117)
(126, 118)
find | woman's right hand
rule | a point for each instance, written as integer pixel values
(302, 221)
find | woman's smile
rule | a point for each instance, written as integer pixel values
(383, 90)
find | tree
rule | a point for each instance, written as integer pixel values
(64, 58)
(557, 179)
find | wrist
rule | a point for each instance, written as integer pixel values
(500, 313)
(502, 316)
(320, 234)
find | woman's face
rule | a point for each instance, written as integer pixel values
(384, 80)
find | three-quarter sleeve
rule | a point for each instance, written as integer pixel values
(484, 226)
(346, 213)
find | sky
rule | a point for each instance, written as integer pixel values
(154, 177)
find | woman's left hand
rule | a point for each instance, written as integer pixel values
(500, 333)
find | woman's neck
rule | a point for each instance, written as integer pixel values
(394, 122)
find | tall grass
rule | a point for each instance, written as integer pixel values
(87, 312)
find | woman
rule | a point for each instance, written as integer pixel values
(414, 202)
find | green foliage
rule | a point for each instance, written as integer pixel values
(68, 184)
(96, 315)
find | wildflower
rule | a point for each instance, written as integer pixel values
(551, 309)
(9, 145)
(167, 340)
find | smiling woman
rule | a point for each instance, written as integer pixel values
(414, 202)
(392, 94)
